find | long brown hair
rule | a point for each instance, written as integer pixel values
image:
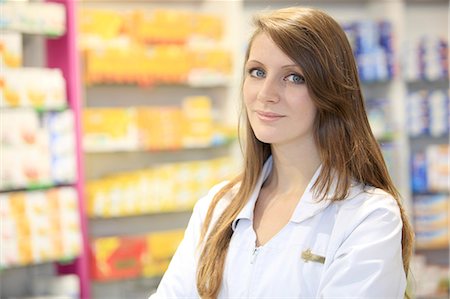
(347, 147)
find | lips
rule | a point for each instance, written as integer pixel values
(268, 116)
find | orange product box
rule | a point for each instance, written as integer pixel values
(117, 257)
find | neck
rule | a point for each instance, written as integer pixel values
(293, 167)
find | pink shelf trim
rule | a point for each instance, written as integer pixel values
(62, 53)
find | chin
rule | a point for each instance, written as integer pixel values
(268, 138)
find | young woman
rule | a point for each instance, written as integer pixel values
(314, 213)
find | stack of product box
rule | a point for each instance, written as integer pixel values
(23, 86)
(163, 188)
(153, 47)
(154, 128)
(431, 220)
(428, 113)
(37, 148)
(430, 177)
(39, 226)
(134, 256)
(372, 44)
(426, 58)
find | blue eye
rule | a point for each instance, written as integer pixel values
(257, 73)
(295, 78)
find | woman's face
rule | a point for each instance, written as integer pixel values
(276, 97)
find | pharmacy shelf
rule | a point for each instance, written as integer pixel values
(100, 164)
(37, 187)
(45, 45)
(220, 143)
(116, 226)
(427, 19)
(140, 287)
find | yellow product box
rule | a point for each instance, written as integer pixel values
(197, 112)
(160, 26)
(25, 250)
(184, 196)
(15, 203)
(115, 197)
(103, 23)
(171, 63)
(213, 59)
(208, 25)
(38, 213)
(56, 223)
(109, 129)
(206, 174)
(20, 242)
(108, 208)
(144, 186)
(8, 233)
(188, 184)
(70, 222)
(127, 199)
(112, 196)
(161, 246)
(11, 55)
(163, 193)
(94, 198)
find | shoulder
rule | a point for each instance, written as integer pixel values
(365, 204)
(368, 198)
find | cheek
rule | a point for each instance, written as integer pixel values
(304, 105)
(249, 92)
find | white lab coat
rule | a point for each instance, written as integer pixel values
(359, 237)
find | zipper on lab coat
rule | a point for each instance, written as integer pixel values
(252, 262)
(254, 255)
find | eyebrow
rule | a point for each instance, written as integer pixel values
(284, 66)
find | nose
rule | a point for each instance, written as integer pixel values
(269, 91)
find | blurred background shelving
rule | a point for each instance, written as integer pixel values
(43, 243)
(153, 92)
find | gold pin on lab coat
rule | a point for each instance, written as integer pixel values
(308, 256)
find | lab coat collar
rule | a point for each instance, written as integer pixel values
(247, 211)
(307, 207)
